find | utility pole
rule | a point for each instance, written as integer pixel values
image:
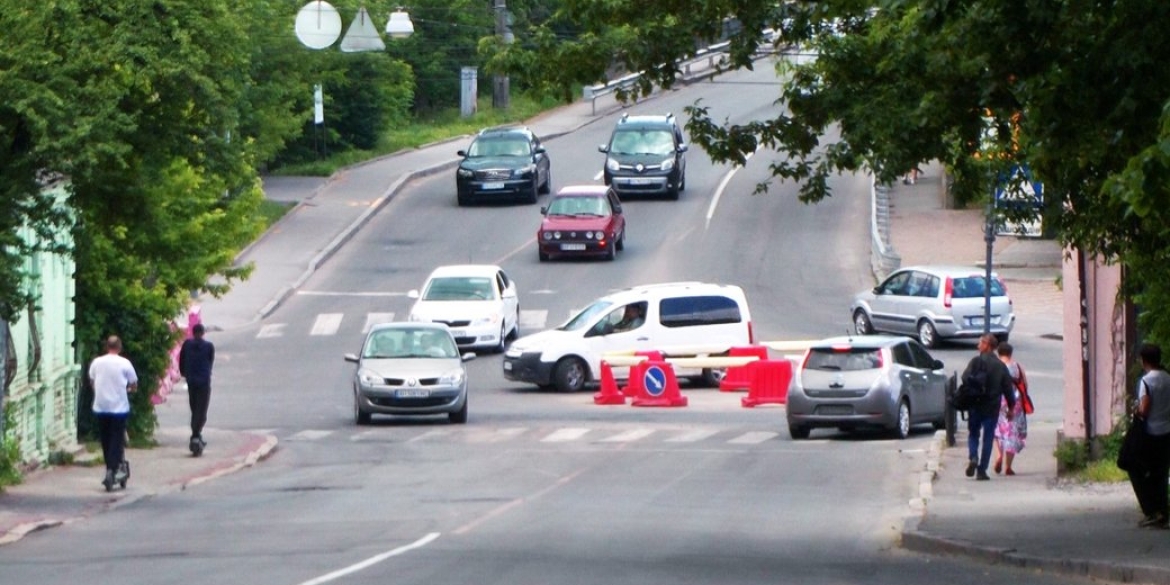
(500, 89)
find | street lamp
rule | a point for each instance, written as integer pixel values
(399, 26)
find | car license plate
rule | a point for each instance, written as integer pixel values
(493, 186)
(835, 410)
(641, 181)
(976, 321)
(572, 247)
(507, 366)
(412, 393)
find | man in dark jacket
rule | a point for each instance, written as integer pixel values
(982, 418)
(195, 360)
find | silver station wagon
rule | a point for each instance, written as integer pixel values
(934, 303)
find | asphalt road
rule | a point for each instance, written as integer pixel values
(542, 487)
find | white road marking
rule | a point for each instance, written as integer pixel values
(430, 435)
(753, 438)
(310, 435)
(327, 324)
(629, 436)
(533, 319)
(494, 435)
(372, 560)
(269, 331)
(375, 319)
(692, 436)
(327, 293)
(722, 186)
(565, 435)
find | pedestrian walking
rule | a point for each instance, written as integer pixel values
(196, 357)
(113, 378)
(1011, 430)
(1153, 410)
(982, 417)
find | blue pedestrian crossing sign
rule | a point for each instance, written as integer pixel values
(1022, 196)
(654, 380)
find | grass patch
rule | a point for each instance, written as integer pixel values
(427, 129)
(272, 211)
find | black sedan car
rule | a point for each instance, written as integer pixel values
(503, 163)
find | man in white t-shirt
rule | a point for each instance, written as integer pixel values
(112, 377)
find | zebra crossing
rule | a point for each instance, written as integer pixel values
(328, 324)
(472, 434)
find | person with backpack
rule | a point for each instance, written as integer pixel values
(985, 383)
(1011, 430)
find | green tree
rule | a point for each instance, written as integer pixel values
(152, 112)
(1077, 90)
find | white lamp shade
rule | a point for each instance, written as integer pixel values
(399, 26)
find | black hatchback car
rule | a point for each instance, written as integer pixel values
(645, 155)
(503, 163)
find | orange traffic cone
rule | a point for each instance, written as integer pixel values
(659, 387)
(770, 380)
(609, 393)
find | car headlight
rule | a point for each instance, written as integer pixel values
(525, 172)
(599, 236)
(546, 235)
(513, 351)
(466, 174)
(668, 164)
(453, 378)
(369, 377)
(588, 235)
(485, 320)
(557, 235)
(612, 165)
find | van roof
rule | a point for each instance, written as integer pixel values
(677, 289)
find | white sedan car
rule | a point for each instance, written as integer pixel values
(478, 302)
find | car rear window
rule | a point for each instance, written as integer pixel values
(843, 360)
(698, 310)
(970, 287)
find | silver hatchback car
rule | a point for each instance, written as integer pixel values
(933, 303)
(867, 381)
(409, 368)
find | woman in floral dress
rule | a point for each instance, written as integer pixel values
(1011, 433)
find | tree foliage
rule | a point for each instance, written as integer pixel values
(152, 112)
(1076, 90)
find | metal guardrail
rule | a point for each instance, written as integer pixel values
(707, 56)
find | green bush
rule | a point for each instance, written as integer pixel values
(9, 451)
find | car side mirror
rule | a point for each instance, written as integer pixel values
(349, 357)
(539, 150)
(467, 356)
(462, 153)
(544, 210)
(877, 290)
(682, 147)
(602, 148)
(412, 293)
(938, 365)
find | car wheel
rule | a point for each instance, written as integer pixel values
(903, 428)
(798, 432)
(682, 182)
(570, 375)
(621, 241)
(611, 251)
(927, 334)
(360, 416)
(861, 323)
(672, 194)
(499, 347)
(712, 377)
(463, 200)
(546, 188)
(515, 334)
(533, 193)
(459, 416)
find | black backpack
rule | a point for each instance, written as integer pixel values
(973, 390)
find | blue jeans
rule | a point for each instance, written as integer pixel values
(980, 429)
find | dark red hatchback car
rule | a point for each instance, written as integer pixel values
(582, 220)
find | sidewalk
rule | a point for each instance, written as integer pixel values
(1032, 520)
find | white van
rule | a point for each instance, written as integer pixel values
(695, 318)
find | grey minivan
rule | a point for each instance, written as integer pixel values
(934, 303)
(880, 381)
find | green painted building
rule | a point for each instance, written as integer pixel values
(41, 364)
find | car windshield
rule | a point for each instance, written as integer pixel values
(972, 287)
(504, 146)
(406, 343)
(843, 360)
(644, 141)
(459, 288)
(587, 316)
(578, 206)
